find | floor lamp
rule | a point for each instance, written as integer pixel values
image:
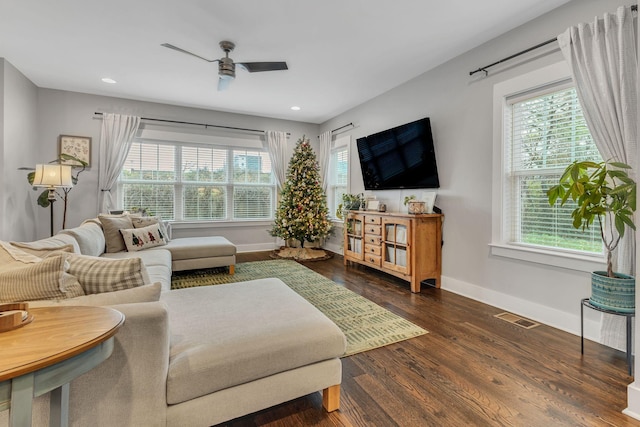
(53, 176)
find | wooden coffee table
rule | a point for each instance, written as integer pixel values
(60, 344)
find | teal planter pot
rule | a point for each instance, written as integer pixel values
(613, 293)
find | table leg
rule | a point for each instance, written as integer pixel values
(21, 401)
(581, 328)
(59, 407)
(629, 362)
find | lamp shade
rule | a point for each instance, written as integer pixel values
(53, 175)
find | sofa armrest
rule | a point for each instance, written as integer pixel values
(129, 388)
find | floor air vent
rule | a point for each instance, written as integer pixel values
(517, 320)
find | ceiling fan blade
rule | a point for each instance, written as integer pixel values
(254, 67)
(170, 46)
(224, 82)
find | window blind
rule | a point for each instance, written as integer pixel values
(184, 181)
(546, 131)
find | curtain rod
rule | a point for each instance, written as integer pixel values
(197, 124)
(341, 127)
(471, 73)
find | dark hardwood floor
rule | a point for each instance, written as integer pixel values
(471, 369)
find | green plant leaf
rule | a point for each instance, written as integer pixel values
(43, 199)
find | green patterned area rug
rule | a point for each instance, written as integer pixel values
(365, 324)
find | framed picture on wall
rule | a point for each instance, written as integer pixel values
(76, 146)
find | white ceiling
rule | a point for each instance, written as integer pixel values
(340, 53)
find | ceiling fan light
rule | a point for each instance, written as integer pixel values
(224, 82)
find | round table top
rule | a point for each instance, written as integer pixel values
(54, 335)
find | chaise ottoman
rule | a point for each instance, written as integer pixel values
(191, 253)
(241, 347)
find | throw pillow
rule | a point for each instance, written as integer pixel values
(98, 275)
(46, 279)
(136, 239)
(146, 293)
(144, 221)
(111, 225)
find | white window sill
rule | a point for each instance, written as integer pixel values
(568, 260)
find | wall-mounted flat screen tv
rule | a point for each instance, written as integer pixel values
(401, 157)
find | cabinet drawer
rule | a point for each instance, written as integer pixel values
(373, 259)
(373, 220)
(373, 249)
(372, 239)
(373, 229)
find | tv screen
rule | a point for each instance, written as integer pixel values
(402, 157)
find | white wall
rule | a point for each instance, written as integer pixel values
(18, 139)
(460, 108)
(72, 113)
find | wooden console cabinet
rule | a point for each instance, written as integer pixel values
(405, 245)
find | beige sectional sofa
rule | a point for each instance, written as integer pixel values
(197, 356)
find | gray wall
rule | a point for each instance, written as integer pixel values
(53, 112)
(460, 108)
(461, 111)
(18, 142)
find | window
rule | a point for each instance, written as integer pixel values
(541, 129)
(338, 174)
(545, 132)
(192, 182)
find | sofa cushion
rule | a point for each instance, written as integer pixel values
(200, 247)
(137, 239)
(111, 225)
(89, 236)
(157, 262)
(250, 335)
(98, 275)
(25, 277)
(146, 293)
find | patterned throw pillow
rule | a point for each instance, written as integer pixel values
(98, 275)
(144, 221)
(136, 239)
(111, 225)
(45, 279)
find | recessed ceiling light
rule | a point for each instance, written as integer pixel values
(108, 80)
(295, 108)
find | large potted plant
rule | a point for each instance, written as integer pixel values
(603, 192)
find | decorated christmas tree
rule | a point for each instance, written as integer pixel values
(302, 211)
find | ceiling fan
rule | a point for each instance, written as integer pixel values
(226, 66)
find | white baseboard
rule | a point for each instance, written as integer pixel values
(540, 313)
(633, 401)
(258, 247)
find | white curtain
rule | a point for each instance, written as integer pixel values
(324, 158)
(118, 131)
(603, 61)
(277, 146)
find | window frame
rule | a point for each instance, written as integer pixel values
(499, 245)
(177, 142)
